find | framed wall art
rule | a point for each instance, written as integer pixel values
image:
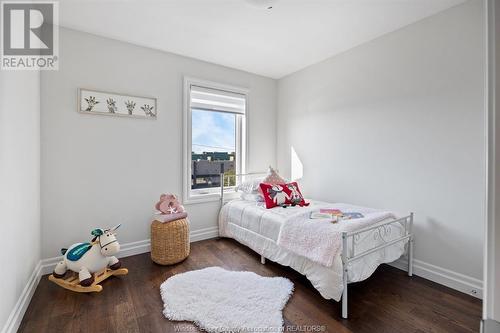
(115, 104)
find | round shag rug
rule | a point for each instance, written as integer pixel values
(218, 300)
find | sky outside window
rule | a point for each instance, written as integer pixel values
(213, 131)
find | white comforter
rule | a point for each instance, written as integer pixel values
(251, 224)
(321, 241)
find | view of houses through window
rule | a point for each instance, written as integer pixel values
(213, 148)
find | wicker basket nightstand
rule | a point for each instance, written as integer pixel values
(169, 241)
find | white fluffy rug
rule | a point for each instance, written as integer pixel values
(218, 300)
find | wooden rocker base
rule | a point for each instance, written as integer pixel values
(72, 282)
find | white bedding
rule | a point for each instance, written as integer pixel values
(251, 224)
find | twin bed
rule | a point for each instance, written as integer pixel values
(330, 255)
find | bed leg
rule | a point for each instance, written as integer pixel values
(344, 297)
(410, 256)
(410, 247)
(344, 275)
(262, 260)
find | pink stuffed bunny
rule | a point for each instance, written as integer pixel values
(170, 208)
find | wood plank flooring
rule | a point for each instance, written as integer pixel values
(389, 301)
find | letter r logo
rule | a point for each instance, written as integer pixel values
(27, 28)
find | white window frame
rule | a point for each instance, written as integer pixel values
(212, 194)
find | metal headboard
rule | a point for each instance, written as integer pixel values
(224, 176)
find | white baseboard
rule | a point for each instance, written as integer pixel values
(205, 233)
(46, 266)
(139, 247)
(446, 277)
(17, 313)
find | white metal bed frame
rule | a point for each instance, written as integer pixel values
(381, 231)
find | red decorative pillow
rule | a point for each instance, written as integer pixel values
(295, 197)
(282, 194)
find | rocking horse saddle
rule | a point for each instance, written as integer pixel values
(75, 253)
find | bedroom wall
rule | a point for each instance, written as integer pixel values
(19, 189)
(99, 170)
(399, 123)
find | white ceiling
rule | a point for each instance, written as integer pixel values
(276, 42)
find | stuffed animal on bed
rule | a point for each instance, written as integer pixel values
(170, 208)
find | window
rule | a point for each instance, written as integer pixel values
(214, 138)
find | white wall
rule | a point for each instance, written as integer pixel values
(19, 185)
(398, 123)
(99, 170)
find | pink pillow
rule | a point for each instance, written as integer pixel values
(164, 218)
(272, 178)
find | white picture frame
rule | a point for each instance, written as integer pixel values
(99, 102)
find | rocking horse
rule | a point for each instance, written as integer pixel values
(89, 263)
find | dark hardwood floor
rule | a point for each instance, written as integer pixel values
(389, 301)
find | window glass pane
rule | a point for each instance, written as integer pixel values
(213, 148)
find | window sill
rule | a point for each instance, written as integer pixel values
(211, 197)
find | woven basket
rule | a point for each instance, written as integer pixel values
(169, 241)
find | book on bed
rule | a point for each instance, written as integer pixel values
(335, 215)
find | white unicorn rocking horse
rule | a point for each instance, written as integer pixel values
(91, 263)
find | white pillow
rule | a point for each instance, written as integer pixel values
(252, 197)
(250, 186)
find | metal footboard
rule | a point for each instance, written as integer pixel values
(349, 254)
